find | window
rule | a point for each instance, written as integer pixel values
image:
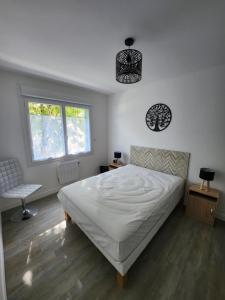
(78, 129)
(58, 129)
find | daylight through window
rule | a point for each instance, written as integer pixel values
(57, 130)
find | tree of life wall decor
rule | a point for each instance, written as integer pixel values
(158, 117)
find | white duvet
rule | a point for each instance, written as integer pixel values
(120, 201)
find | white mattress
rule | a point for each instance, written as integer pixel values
(118, 209)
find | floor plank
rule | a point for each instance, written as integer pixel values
(47, 258)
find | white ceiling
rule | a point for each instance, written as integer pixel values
(76, 40)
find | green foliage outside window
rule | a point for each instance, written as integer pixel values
(55, 110)
(44, 109)
(75, 112)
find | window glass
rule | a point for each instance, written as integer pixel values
(58, 129)
(78, 129)
(46, 127)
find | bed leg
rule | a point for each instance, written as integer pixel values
(67, 217)
(121, 280)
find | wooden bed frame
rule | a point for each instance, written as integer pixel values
(166, 161)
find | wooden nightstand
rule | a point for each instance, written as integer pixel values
(202, 204)
(113, 166)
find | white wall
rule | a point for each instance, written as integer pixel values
(11, 129)
(2, 267)
(197, 101)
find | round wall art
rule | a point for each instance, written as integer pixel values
(158, 117)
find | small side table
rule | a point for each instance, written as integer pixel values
(202, 204)
(113, 166)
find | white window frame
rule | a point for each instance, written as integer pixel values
(63, 104)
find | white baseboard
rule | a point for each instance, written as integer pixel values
(14, 203)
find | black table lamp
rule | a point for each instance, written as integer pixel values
(207, 175)
(117, 155)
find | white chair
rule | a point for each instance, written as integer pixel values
(12, 186)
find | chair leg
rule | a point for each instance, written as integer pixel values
(28, 212)
(23, 203)
(25, 213)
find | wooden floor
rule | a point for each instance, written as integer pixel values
(45, 259)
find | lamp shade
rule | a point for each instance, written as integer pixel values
(117, 154)
(207, 174)
(129, 64)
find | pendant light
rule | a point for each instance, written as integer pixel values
(128, 64)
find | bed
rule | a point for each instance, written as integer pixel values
(121, 210)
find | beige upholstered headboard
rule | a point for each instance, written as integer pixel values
(166, 161)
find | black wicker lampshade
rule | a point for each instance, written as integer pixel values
(207, 174)
(129, 64)
(117, 154)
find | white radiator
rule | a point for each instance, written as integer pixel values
(68, 171)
